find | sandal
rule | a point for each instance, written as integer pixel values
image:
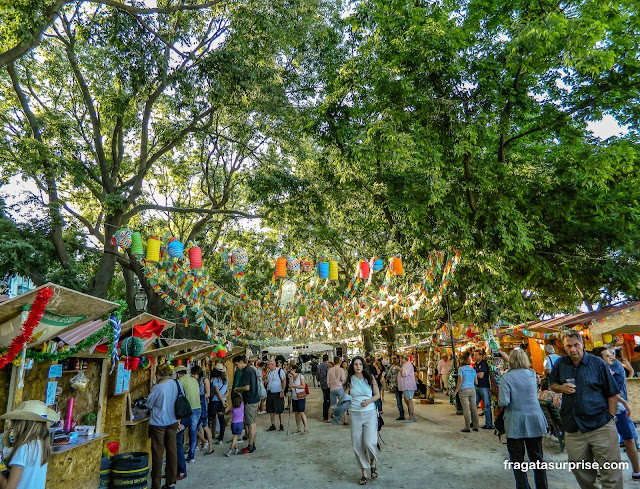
(297, 431)
(374, 472)
(305, 432)
(363, 481)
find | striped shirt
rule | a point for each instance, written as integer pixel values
(587, 409)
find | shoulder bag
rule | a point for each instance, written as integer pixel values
(182, 405)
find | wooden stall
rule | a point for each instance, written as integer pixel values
(67, 313)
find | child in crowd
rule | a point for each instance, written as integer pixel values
(32, 448)
(237, 421)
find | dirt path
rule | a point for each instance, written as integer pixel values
(430, 453)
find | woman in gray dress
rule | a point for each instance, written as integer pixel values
(524, 421)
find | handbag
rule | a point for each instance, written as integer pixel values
(182, 405)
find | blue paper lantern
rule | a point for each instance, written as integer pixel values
(175, 248)
(323, 269)
(378, 265)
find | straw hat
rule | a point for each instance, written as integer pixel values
(180, 369)
(220, 367)
(32, 411)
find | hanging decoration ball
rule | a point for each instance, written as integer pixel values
(175, 248)
(333, 270)
(153, 249)
(396, 264)
(239, 258)
(378, 265)
(293, 264)
(123, 237)
(145, 363)
(195, 257)
(365, 269)
(136, 244)
(607, 338)
(323, 269)
(132, 346)
(221, 353)
(306, 265)
(281, 267)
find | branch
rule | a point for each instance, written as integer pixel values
(92, 229)
(188, 210)
(157, 10)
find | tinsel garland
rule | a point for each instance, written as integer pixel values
(35, 315)
(106, 331)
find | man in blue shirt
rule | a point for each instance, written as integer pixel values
(589, 404)
(482, 389)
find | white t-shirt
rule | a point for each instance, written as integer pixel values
(295, 382)
(34, 474)
(274, 380)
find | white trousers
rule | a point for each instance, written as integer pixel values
(364, 436)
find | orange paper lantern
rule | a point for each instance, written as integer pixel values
(396, 266)
(281, 267)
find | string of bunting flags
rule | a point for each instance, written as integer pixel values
(177, 274)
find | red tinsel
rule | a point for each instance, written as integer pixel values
(35, 315)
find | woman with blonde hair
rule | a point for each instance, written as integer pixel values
(524, 422)
(32, 448)
(466, 388)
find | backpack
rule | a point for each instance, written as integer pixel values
(498, 425)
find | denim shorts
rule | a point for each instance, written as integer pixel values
(236, 428)
(625, 426)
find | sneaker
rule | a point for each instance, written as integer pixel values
(635, 477)
(464, 430)
(252, 449)
(191, 460)
(281, 428)
(181, 476)
(486, 427)
(475, 429)
(228, 454)
(236, 451)
(218, 442)
(272, 428)
(409, 420)
(401, 418)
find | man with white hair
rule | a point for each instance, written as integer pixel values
(550, 360)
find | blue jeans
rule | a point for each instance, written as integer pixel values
(399, 402)
(182, 466)
(483, 393)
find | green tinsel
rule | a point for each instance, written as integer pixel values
(89, 341)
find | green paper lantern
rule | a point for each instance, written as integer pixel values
(136, 244)
(132, 346)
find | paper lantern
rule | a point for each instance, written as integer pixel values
(221, 353)
(153, 249)
(333, 270)
(175, 248)
(306, 265)
(132, 346)
(396, 266)
(293, 264)
(123, 237)
(239, 258)
(365, 269)
(136, 244)
(378, 265)
(302, 310)
(195, 257)
(323, 269)
(281, 267)
(607, 338)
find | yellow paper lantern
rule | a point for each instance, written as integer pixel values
(396, 266)
(607, 338)
(153, 249)
(333, 270)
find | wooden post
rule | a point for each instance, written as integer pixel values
(102, 396)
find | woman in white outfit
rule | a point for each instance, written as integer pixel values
(364, 392)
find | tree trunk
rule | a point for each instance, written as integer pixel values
(103, 277)
(389, 335)
(368, 342)
(131, 290)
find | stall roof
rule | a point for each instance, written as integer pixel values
(195, 352)
(583, 317)
(144, 318)
(78, 308)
